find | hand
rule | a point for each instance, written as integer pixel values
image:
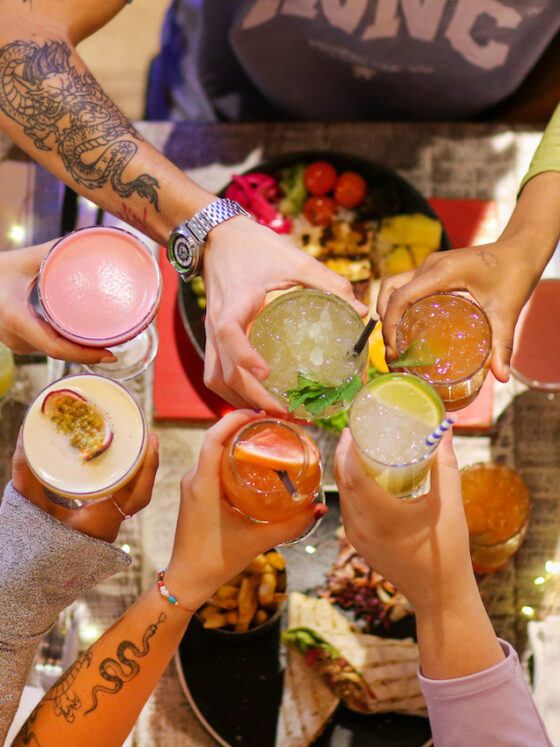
(99, 519)
(242, 263)
(492, 274)
(21, 328)
(213, 541)
(421, 545)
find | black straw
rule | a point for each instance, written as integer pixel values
(288, 484)
(360, 345)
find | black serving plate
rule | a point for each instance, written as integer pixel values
(235, 687)
(392, 193)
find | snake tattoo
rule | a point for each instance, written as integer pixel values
(63, 109)
(113, 671)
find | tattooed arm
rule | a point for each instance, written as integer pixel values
(99, 698)
(51, 105)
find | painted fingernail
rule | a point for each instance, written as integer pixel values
(259, 412)
(319, 511)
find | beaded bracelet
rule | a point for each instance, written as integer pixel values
(164, 591)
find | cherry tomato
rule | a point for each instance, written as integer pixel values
(319, 210)
(320, 177)
(350, 189)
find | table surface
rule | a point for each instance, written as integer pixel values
(478, 161)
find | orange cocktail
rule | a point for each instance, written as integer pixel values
(454, 335)
(271, 470)
(496, 502)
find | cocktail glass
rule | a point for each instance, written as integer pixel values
(101, 287)
(271, 470)
(497, 506)
(59, 466)
(390, 419)
(456, 334)
(7, 370)
(310, 333)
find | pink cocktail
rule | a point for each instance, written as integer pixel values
(101, 287)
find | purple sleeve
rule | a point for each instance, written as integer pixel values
(492, 707)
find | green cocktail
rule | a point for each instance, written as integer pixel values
(307, 337)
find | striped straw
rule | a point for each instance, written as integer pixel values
(432, 439)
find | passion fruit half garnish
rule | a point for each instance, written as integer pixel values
(73, 415)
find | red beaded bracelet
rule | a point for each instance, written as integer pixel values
(164, 591)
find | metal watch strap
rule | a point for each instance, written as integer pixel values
(184, 249)
(212, 215)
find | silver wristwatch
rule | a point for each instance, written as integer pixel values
(185, 245)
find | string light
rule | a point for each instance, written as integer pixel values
(16, 233)
(125, 548)
(89, 633)
(553, 567)
(527, 610)
(539, 580)
(310, 549)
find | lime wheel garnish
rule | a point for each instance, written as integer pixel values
(73, 415)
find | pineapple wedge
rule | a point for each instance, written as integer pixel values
(415, 228)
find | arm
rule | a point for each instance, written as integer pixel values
(502, 275)
(49, 556)
(113, 679)
(54, 109)
(422, 547)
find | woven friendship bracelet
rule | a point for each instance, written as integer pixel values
(164, 591)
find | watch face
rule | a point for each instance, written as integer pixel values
(181, 253)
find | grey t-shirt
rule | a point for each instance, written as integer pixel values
(348, 59)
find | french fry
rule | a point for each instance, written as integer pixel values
(257, 565)
(225, 604)
(208, 610)
(215, 620)
(261, 617)
(277, 561)
(247, 602)
(249, 599)
(267, 587)
(226, 591)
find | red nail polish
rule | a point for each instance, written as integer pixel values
(319, 511)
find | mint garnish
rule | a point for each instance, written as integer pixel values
(316, 397)
(417, 354)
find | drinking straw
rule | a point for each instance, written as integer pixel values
(360, 345)
(445, 425)
(288, 484)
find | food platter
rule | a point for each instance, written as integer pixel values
(391, 195)
(235, 686)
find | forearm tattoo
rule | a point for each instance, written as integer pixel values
(62, 109)
(65, 701)
(112, 670)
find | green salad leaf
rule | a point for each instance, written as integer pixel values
(316, 397)
(305, 639)
(295, 192)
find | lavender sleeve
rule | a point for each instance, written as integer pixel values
(44, 566)
(492, 707)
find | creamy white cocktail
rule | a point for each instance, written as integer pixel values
(84, 436)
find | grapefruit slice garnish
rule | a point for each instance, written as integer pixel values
(73, 415)
(267, 448)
